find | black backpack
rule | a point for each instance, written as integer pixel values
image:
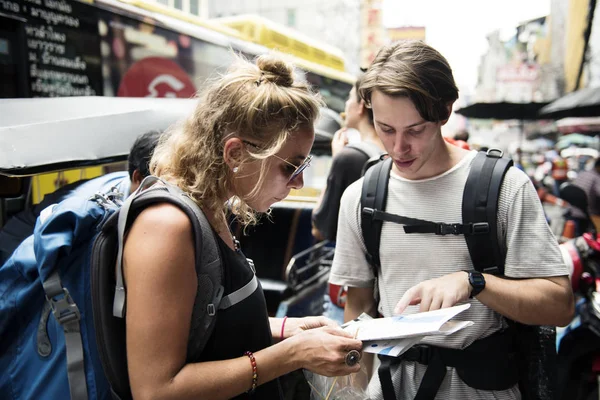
(373, 153)
(108, 291)
(528, 353)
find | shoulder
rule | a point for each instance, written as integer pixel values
(353, 191)
(515, 179)
(351, 153)
(348, 163)
(165, 220)
(160, 236)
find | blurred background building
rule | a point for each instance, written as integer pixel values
(336, 22)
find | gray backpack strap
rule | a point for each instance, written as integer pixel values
(209, 297)
(119, 301)
(68, 316)
(207, 251)
(240, 294)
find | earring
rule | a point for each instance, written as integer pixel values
(235, 170)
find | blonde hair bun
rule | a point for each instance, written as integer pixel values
(275, 70)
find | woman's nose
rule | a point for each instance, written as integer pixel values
(297, 182)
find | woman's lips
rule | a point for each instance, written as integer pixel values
(403, 164)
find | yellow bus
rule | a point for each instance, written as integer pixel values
(134, 48)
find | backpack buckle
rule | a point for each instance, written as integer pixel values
(478, 228)
(211, 310)
(368, 212)
(448, 229)
(64, 308)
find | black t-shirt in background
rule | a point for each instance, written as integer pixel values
(346, 168)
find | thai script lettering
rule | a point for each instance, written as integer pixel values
(45, 32)
(36, 44)
(69, 77)
(59, 5)
(76, 63)
(9, 6)
(54, 18)
(60, 89)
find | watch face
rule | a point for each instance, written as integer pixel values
(476, 280)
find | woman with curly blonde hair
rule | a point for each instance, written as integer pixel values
(245, 145)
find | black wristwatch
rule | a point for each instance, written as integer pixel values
(477, 281)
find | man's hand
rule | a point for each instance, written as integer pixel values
(437, 293)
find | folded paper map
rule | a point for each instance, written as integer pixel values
(394, 335)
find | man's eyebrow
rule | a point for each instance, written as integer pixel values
(408, 126)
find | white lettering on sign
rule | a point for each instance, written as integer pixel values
(54, 18)
(9, 6)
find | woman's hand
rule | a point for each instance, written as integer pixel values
(338, 142)
(294, 326)
(323, 350)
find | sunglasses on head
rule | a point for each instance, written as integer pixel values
(298, 168)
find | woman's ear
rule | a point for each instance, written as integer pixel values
(232, 152)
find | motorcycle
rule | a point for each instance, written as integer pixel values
(578, 344)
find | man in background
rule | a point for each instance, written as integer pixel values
(589, 181)
(21, 225)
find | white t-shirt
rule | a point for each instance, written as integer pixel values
(408, 259)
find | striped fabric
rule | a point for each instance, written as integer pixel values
(409, 259)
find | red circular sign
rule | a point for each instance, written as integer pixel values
(156, 77)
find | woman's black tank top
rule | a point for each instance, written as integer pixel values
(244, 326)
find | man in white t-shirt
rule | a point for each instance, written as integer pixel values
(411, 90)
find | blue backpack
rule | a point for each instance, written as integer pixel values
(57, 289)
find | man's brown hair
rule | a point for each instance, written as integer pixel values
(412, 69)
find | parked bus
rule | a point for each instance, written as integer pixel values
(128, 48)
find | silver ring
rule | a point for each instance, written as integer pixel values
(352, 358)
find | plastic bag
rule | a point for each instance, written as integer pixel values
(349, 387)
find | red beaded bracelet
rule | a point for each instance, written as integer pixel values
(254, 371)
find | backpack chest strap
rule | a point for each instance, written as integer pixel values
(487, 364)
(415, 225)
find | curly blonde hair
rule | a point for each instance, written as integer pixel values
(260, 102)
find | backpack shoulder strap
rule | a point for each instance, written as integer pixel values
(208, 259)
(374, 197)
(480, 206)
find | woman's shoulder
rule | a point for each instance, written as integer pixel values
(164, 219)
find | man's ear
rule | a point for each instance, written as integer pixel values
(232, 152)
(449, 108)
(137, 177)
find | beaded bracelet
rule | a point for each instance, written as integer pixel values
(254, 371)
(281, 337)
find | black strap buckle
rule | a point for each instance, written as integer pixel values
(419, 353)
(448, 229)
(368, 212)
(479, 228)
